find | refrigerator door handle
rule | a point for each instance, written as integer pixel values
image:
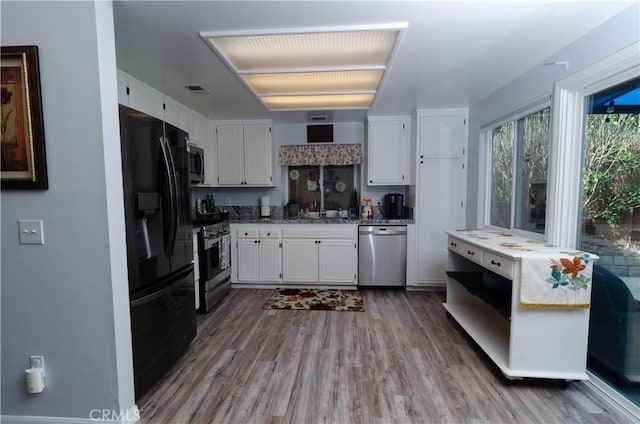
(176, 204)
(169, 240)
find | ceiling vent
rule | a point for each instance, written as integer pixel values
(197, 89)
(317, 118)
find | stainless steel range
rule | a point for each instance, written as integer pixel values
(214, 254)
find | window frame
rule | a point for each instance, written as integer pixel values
(486, 138)
(322, 169)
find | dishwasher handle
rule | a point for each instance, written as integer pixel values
(382, 230)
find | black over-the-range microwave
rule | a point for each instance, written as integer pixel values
(196, 164)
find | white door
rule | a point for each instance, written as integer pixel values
(269, 260)
(337, 260)
(300, 261)
(386, 153)
(230, 155)
(248, 262)
(441, 208)
(442, 136)
(257, 155)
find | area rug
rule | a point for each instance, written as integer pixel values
(314, 299)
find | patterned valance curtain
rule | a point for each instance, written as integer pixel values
(323, 154)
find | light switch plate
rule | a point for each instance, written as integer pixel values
(31, 231)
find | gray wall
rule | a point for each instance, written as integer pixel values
(68, 299)
(617, 33)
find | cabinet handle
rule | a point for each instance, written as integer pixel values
(453, 244)
(421, 161)
(495, 263)
(268, 234)
(246, 234)
(469, 252)
(371, 181)
(255, 241)
(421, 156)
(258, 241)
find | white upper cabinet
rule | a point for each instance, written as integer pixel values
(245, 154)
(388, 150)
(139, 96)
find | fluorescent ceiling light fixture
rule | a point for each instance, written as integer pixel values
(314, 82)
(318, 65)
(339, 101)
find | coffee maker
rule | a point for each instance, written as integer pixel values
(393, 205)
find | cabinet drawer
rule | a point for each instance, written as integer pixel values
(498, 264)
(471, 252)
(269, 234)
(321, 233)
(455, 245)
(248, 233)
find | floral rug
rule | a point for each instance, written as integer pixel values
(313, 299)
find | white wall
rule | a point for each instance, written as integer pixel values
(620, 31)
(68, 299)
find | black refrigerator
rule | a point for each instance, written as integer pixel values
(155, 171)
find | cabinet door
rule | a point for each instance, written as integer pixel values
(441, 208)
(248, 260)
(441, 136)
(257, 155)
(270, 260)
(145, 100)
(300, 261)
(123, 90)
(337, 261)
(230, 155)
(387, 153)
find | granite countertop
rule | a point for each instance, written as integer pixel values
(275, 220)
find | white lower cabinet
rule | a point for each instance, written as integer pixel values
(259, 257)
(320, 255)
(295, 254)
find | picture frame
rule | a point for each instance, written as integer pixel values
(23, 161)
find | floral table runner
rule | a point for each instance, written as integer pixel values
(552, 277)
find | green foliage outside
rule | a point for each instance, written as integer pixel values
(611, 178)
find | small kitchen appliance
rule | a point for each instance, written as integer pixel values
(265, 207)
(196, 164)
(393, 205)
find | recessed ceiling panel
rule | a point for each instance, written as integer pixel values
(314, 82)
(312, 50)
(306, 69)
(347, 101)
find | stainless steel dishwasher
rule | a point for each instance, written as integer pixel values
(382, 255)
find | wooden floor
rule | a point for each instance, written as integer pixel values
(402, 361)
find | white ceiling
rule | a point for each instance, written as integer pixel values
(453, 54)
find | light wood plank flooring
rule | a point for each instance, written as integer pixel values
(401, 361)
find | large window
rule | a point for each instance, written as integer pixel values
(319, 188)
(519, 166)
(611, 229)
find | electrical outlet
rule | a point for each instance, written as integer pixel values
(37, 361)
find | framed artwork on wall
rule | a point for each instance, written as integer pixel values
(23, 161)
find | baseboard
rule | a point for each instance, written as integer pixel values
(96, 416)
(613, 398)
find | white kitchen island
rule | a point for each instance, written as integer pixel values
(538, 342)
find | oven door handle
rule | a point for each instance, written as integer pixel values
(210, 242)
